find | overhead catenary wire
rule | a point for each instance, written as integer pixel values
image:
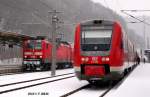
(136, 10)
(143, 21)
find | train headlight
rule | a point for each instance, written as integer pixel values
(104, 59)
(85, 59)
(107, 59)
(25, 56)
(40, 56)
(82, 59)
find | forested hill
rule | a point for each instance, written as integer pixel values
(31, 17)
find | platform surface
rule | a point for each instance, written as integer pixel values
(136, 85)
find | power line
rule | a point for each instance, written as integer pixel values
(135, 10)
(124, 11)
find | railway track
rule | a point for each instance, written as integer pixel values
(103, 91)
(5, 88)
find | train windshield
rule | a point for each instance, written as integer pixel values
(34, 44)
(38, 44)
(96, 39)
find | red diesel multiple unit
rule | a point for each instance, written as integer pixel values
(37, 54)
(102, 51)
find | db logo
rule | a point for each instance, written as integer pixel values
(94, 58)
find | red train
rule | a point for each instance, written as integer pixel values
(64, 55)
(37, 54)
(102, 51)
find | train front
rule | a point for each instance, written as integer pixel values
(32, 55)
(92, 50)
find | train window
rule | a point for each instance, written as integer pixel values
(34, 44)
(96, 34)
(96, 40)
(95, 47)
(38, 45)
(30, 45)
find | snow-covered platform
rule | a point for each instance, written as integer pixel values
(136, 85)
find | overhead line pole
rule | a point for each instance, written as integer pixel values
(54, 21)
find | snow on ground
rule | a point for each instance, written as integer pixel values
(29, 76)
(54, 89)
(136, 85)
(89, 92)
(32, 82)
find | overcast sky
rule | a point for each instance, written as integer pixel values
(118, 5)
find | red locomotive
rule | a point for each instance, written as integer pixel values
(37, 54)
(64, 55)
(102, 51)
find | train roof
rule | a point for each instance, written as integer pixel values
(97, 22)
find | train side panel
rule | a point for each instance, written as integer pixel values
(64, 55)
(47, 49)
(77, 57)
(117, 51)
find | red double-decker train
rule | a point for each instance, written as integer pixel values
(37, 54)
(102, 51)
